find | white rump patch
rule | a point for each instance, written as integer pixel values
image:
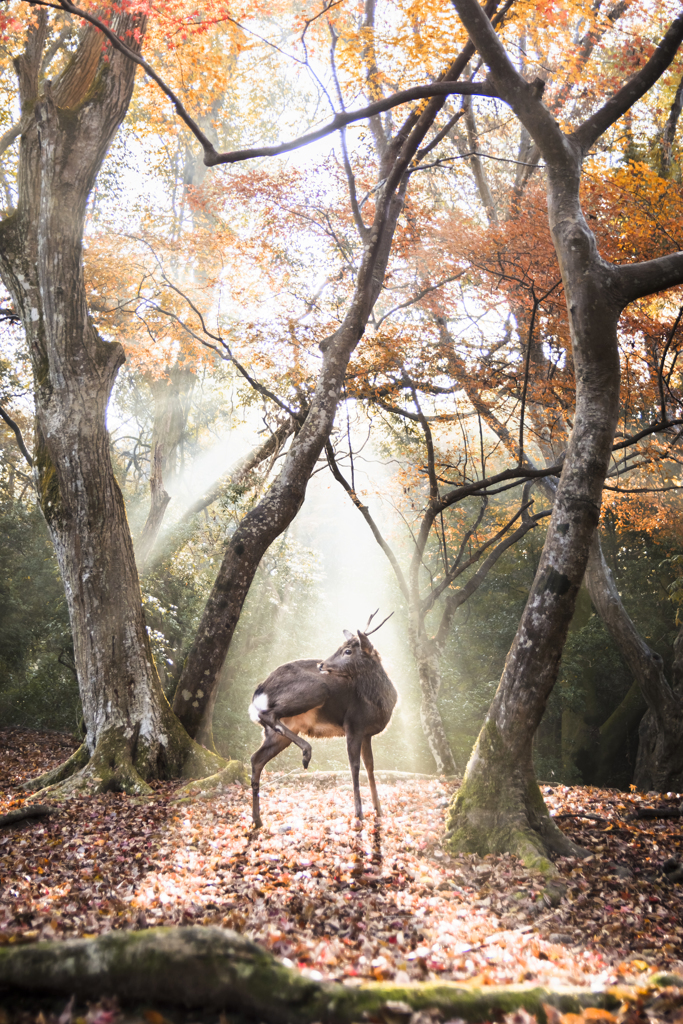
(259, 703)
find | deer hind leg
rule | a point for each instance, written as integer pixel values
(270, 720)
(368, 761)
(273, 744)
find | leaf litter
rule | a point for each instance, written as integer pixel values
(383, 902)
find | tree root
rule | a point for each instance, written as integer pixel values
(27, 811)
(213, 968)
(234, 771)
(125, 764)
(499, 809)
(75, 763)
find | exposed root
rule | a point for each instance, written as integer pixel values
(109, 770)
(234, 771)
(198, 762)
(213, 968)
(27, 811)
(124, 763)
(75, 763)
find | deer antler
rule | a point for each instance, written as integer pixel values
(370, 632)
(370, 620)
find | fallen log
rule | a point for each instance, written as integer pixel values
(213, 968)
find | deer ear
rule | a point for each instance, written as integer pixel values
(349, 636)
(365, 645)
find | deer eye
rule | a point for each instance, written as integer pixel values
(347, 651)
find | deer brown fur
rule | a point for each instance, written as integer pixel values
(348, 695)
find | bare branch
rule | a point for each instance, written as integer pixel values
(365, 512)
(17, 433)
(591, 130)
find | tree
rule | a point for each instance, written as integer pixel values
(132, 735)
(396, 152)
(499, 805)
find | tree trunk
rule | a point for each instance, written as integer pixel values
(236, 475)
(158, 503)
(499, 806)
(196, 692)
(171, 394)
(426, 654)
(132, 735)
(659, 764)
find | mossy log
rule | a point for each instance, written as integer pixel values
(213, 968)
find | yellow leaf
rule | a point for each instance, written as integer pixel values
(640, 965)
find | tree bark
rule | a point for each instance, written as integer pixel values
(158, 503)
(659, 764)
(214, 968)
(427, 660)
(499, 806)
(132, 735)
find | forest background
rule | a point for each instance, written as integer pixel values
(222, 284)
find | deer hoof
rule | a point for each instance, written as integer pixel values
(306, 758)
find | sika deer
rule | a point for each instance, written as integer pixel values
(349, 695)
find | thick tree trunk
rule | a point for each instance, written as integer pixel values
(499, 806)
(132, 735)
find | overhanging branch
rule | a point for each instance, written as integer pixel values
(340, 120)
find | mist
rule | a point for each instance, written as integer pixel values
(354, 579)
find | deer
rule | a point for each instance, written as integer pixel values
(349, 694)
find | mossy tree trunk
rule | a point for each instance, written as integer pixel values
(499, 806)
(132, 735)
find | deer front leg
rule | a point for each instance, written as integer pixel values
(273, 744)
(368, 761)
(353, 745)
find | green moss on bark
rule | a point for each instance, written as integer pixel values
(215, 968)
(48, 485)
(499, 808)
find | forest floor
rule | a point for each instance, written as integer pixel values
(382, 903)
